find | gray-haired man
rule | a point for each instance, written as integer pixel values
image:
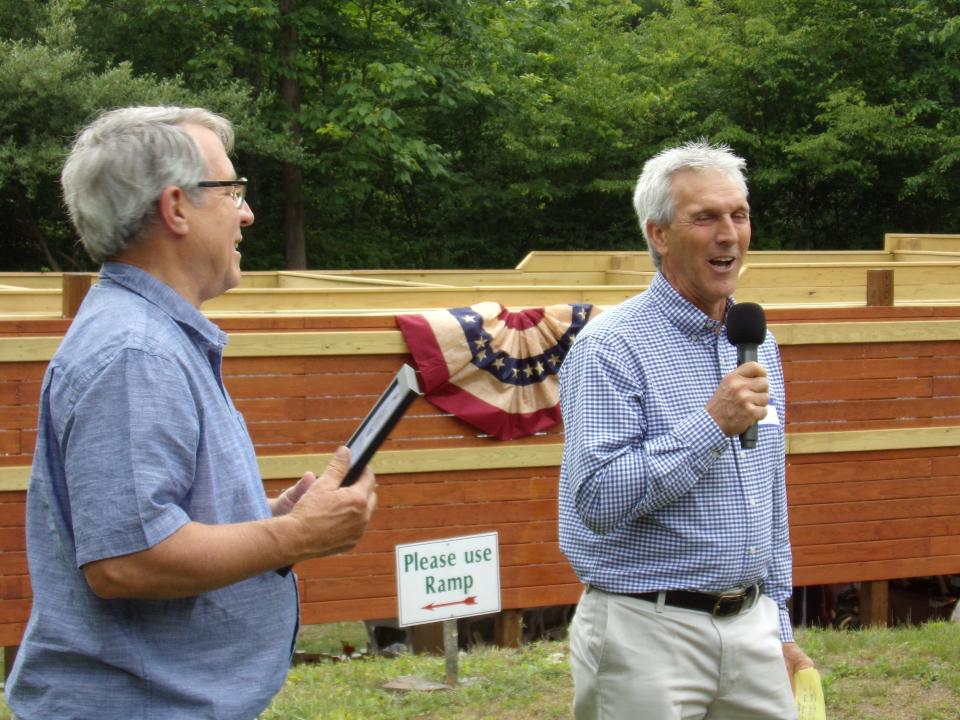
(679, 536)
(156, 560)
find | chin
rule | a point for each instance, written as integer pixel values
(726, 287)
(230, 281)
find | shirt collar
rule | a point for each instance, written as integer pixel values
(164, 297)
(686, 316)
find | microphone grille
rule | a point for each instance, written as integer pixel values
(746, 324)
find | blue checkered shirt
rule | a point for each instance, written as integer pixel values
(653, 496)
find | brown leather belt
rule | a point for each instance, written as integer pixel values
(725, 604)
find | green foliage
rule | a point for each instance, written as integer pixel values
(461, 133)
(48, 89)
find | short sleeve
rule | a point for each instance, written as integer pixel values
(130, 448)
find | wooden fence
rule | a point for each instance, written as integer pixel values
(924, 268)
(873, 431)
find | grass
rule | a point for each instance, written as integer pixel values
(903, 673)
(494, 683)
(909, 672)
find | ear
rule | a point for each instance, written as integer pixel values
(173, 209)
(656, 234)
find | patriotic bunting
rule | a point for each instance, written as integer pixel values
(493, 368)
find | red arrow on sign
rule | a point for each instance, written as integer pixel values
(469, 600)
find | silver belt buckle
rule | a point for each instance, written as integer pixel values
(730, 603)
(736, 601)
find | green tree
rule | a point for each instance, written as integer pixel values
(843, 110)
(48, 89)
(343, 94)
(464, 133)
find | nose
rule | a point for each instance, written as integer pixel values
(726, 228)
(246, 215)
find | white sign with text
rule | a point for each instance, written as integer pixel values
(443, 579)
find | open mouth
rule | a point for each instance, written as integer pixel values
(723, 263)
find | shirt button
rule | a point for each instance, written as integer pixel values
(753, 551)
(753, 502)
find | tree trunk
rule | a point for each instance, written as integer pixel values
(33, 230)
(293, 207)
(296, 245)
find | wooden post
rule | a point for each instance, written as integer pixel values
(880, 287)
(451, 651)
(508, 629)
(75, 287)
(9, 655)
(874, 603)
(427, 639)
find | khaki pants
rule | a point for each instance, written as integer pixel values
(633, 659)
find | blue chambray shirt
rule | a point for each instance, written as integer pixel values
(137, 436)
(653, 496)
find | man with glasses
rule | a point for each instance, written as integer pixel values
(238, 188)
(159, 568)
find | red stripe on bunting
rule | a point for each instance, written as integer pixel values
(424, 347)
(521, 319)
(490, 419)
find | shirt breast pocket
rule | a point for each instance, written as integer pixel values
(772, 417)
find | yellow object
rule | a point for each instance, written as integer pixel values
(808, 693)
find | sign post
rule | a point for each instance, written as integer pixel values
(442, 580)
(451, 651)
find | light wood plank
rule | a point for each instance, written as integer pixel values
(28, 349)
(913, 241)
(866, 332)
(505, 455)
(867, 440)
(389, 342)
(276, 344)
(257, 301)
(389, 462)
(565, 261)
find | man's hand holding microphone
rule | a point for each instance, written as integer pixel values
(741, 400)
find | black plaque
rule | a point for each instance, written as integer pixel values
(376, 426)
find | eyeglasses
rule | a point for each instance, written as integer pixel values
(238, 188)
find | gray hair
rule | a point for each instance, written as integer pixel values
(653, 197)
(120, 164)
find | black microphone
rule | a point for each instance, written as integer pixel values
(747, 328)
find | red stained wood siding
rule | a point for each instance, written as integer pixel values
(855, 516)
